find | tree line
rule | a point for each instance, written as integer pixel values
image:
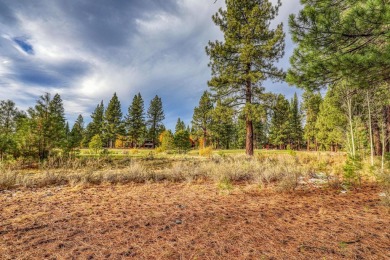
(342, 50)
(43, 130)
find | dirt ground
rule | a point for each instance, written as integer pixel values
(189, 221)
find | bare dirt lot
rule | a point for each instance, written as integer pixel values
(189, 221)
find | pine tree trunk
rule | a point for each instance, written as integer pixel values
(349, 104)
(204, 138)
(249, 137)
(377, 139)
(387, 122)
(249, 123)
(383, 135)
(370, 129)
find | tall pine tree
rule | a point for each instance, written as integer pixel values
(331, 122)
(155, 116)
(280, 128)
(180, 126)
(296, 131)
(48, 124)
(95, 127)
(135, 121)
(202, 117)
(113, 125)
(247, 55)
(8, 122)
(77, 132)
(222, 126)
(311, 107)
(57, 122)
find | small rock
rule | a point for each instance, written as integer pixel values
(178, 221)
(320, 175)
(382, 194)
(343, 191)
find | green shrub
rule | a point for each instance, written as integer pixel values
(352, 169)
(96, 144)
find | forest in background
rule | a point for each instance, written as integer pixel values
(342, 47)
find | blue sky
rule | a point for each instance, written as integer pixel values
(86, 50)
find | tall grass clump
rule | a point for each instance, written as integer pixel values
(206, 152)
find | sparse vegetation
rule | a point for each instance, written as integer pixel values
(280, 170)
(126, 186)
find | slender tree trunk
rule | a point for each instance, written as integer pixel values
(249, 136)
(377, 139)
(349, 104)
(248, 119)
(370, 129)
(204, 138)
(383, 145)
(387, 122)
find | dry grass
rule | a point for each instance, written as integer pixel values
(283, 171)
(222, 207)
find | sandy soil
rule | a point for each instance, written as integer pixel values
(180, 221)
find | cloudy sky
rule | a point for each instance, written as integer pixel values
(86, 50)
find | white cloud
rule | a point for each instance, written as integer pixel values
(90, 51)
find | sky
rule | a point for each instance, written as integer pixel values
(86, 50)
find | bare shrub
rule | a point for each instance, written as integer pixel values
(384, 179)
(7, 179)
(133, 173)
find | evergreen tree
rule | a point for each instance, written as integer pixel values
(180, 126)
(222, 126)
(48, 124)
(95, 127)
(340, 40)
(57, 122)
(295, 117)
(155, 116)
(246, 57)
(202, 117)
(68, 142)
(135, 121)
(181, 141)
(311, 107)
(260, 129)
(113, 125)
(8, 114)
(77, 133)
(279, 129)
(331, 123)
(241, 131)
